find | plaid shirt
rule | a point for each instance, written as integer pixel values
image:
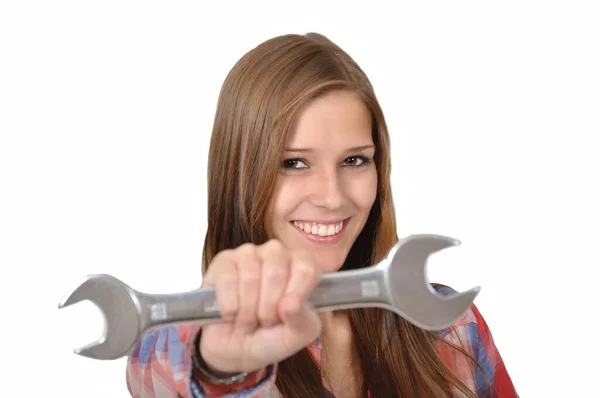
(161, 364)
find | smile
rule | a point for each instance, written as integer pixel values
(320, 231)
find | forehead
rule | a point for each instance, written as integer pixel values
(337, 118)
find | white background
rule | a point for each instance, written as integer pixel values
(105, 114)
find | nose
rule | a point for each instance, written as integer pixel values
(327, 189)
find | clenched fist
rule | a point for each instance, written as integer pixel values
(263, 289)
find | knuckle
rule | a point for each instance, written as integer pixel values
(220, 269)
(274, 247)
(274, 243)
(210, 278)
(246, 248)
(227, 279)
(226, 295)
(249, 279)
(222, 255)
(307, 270)
(247, 254)
(275, 275)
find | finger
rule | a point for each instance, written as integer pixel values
(226, 289)
(249, 268)
(222, 275)
(304, 275)
(274, 277)
(302, 322)
(301, 326)
(214, 270)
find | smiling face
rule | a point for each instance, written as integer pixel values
(327, 183)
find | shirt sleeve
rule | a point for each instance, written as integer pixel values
(161, 366)
(472, 333)
(487, 354)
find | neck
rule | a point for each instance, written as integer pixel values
(339, 363)
(336, 328)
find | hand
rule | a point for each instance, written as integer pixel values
(264, 290)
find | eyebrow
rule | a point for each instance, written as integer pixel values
(353, 149)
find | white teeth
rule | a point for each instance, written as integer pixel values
(323, 230)
(320, 229)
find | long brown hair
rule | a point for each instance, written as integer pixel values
(258, 102)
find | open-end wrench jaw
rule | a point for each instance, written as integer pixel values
(411, 294)
(119, 306)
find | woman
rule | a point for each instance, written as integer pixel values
(299, 185)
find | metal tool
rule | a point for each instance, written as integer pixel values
(398, 283)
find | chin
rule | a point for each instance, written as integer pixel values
(330, 257)
(330, 260)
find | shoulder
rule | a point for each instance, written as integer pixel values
(470, 319)
(463, 337)
(470, 331)
(459, 346)
(470, 334)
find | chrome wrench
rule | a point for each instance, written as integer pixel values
(398, 283)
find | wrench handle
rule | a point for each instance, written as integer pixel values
(199, 305)
(335, 291)
(350, 289)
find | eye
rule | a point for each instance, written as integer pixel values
(294, 164)
(356, 161)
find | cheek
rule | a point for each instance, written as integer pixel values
(364, 190)
(284, 199)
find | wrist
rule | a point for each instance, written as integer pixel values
(210, 373)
